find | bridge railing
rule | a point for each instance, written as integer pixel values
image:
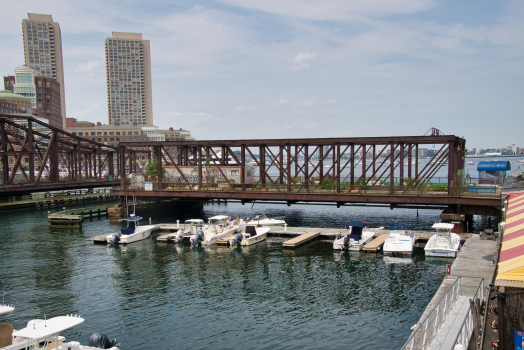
(377, 188)
(427, 329)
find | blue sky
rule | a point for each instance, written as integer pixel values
(235, 69)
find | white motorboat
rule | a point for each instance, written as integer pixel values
(219, 226)
(45, 334)
(132, 233)
(251, 235)
(399, 240)
(353, 236)
(470, 163)
(444, 243)
(191, 227)
(263, 220)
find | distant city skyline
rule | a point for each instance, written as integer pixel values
(230, 69)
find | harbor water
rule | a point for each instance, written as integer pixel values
(152, 295)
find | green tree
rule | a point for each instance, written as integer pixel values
(152, 167)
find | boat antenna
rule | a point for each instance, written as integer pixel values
(253, 204)
(127, 207)
(133, 204)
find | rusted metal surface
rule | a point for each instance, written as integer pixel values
(37, 156)
(341, 170)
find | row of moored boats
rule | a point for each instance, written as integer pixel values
(353, 235)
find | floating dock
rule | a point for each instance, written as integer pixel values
(376, 244)
(302, 239)
(73, 218)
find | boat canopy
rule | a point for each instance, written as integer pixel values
(355, 224)
(43, 329)
(399, 228)
(443, 226)
(219, 217)
(134, 218)
(196, 221)
(499, 165)
(6, 308)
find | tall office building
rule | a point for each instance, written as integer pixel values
(43, 51)
(128, 74)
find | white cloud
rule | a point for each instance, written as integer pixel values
(302, 60)
(87, 68)
(339, 10)
(330, 101)
(307, 103)
(280, 102)
(242, 108)
(91, 110)
(172, 114)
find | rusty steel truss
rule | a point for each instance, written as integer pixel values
(35, 155)
(341, 170)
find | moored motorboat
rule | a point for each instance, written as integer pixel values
(251, 235)
(4, 308)
(45, 334)
(219, 226)
(443, 243)
(353, 236)
(263, 220)
(399, 240)
(191, 227)
(132, 233)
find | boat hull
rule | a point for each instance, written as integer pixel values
(338, 244)
(212, 238)
(259, 237)
(141, 233)
(443, 253)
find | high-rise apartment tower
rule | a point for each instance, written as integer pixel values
(128, 74)
(43, 51)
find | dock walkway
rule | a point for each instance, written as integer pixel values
(473, 263)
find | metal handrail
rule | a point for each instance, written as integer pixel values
(466, 328)
(426, 331)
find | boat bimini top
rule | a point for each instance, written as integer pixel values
(443, 226)
(134, 218)
(6, 308)
(399, 228)
(219, 217)
(194, 221)
(38, 330)
(356, 229)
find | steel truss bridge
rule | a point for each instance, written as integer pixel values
(38, 157)
(364, 170)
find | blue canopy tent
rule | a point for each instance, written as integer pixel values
(493, 172)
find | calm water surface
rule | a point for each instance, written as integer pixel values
(149, 295)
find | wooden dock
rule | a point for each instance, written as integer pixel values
(302, 239)
(166, 237)
(73, 218)
(376, 244)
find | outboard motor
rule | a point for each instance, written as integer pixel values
(101, 341)
(115, 239)
(178, 237)
(199, 237)
(237, 239)
(346, 242)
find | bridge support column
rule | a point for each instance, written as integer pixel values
(5, 159)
